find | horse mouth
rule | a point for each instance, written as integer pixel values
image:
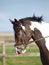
(21, 52)
(18, 52)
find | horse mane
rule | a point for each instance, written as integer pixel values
(33, 18)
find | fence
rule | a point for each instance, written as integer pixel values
(4, 55)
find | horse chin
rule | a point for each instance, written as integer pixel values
(19, 51)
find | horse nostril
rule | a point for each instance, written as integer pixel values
(18, 52)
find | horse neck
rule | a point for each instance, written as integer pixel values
(44, 54)
(43, 48)
(41, 45)
(27, 29)
(27, 26)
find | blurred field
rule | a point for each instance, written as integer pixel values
(20, 60)
(6, 36)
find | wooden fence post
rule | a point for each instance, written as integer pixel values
(3, 53)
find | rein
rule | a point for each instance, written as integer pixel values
(38, 39)
(34, 41)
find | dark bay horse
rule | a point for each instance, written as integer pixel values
(22, 32)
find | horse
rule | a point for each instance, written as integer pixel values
(44, 53)
(38, 30)
(22, 32)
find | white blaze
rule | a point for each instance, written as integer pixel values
(23, 27)
(44, 28)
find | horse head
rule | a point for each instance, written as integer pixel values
(19, 36)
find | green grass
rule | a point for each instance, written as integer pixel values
(27, 60)
(34, 50)
(0, 48)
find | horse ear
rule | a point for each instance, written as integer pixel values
(41, 18)
(11, 21)
(15, 20)
(34, 15)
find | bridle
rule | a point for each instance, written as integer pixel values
(38, 39)
(32, 42)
